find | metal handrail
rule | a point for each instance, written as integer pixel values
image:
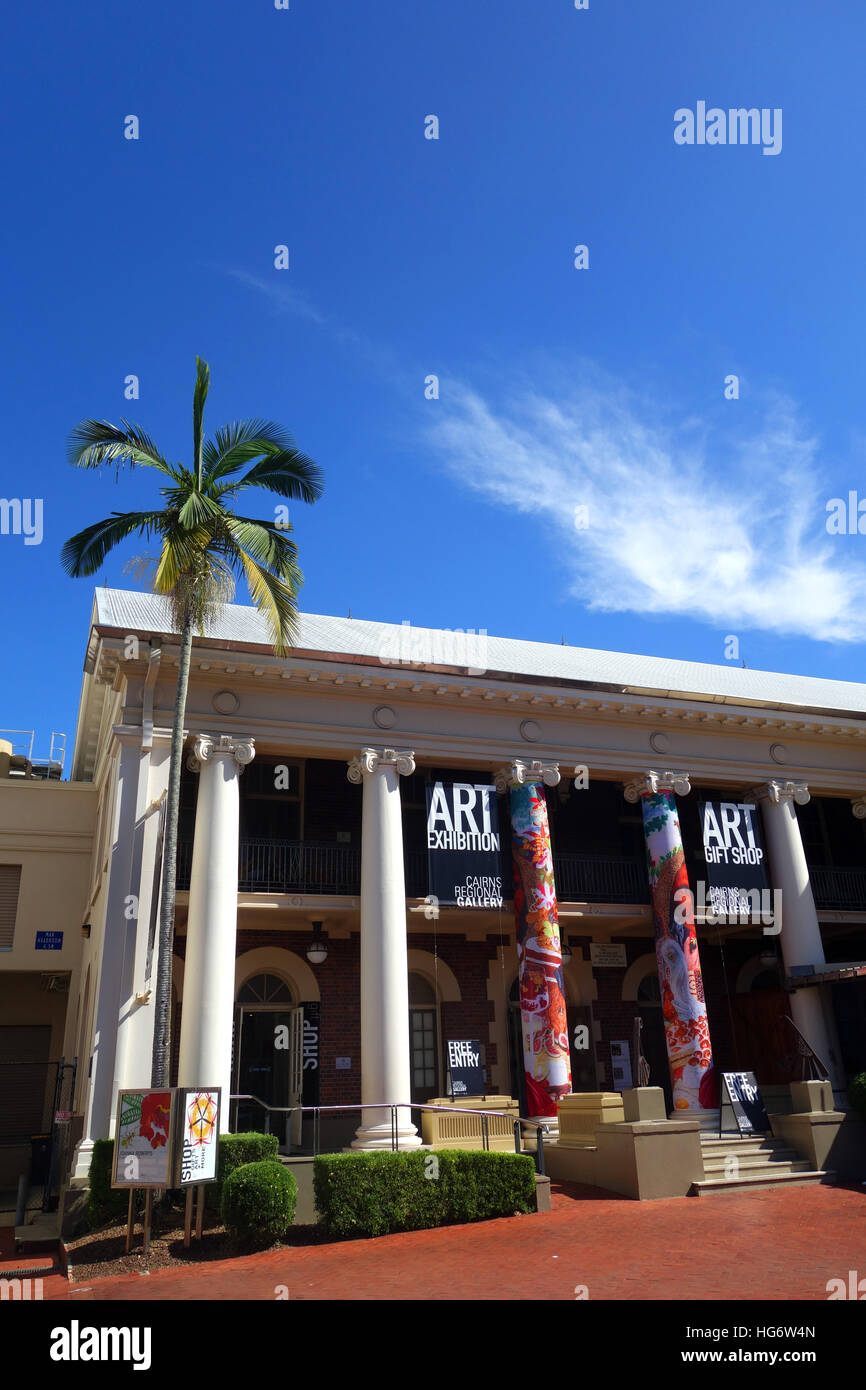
(809, 1052)
(540, 1125)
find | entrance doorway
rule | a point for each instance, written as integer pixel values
(423, 1040)
(268, 1048)
(649, 1003)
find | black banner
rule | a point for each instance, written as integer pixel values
(745, 1101)
(310, 1052)
(463, 844)
(465, 1069)
(736, 862)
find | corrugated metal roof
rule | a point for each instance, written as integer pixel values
(129, 611)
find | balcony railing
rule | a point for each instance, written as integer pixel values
(840, 889)
(294, 866)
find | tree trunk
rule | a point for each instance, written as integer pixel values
(161, 1061)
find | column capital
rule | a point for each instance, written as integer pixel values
(519, 773)
(858, 808)
(205, 749)
(775, 792)
(371, 760)
(651, 783)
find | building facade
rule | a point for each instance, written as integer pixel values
(304, 906)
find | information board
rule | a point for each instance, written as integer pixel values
(465, 1068)
(198, 1115)
(144, 1139)
(745, 1100)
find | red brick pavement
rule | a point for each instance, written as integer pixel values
(776, 1245)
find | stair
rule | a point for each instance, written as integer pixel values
(734, 1164)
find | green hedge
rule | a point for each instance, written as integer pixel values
(372, 1194)
(104, 1202)
(857, 1094)
(258, 1202)
(235, 1150)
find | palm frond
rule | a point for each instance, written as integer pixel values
(273, 598)
(95, 443)
(268, 544)
(202, 384)
(85, 553)
(281, 467)
(198, 509)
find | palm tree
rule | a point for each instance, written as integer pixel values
(204, 545)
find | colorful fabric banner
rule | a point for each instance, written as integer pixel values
(546, 1059)
(687, 1033)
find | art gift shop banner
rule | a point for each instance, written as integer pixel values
(687, 1033)
(463, 844)
(736, 863)
(542, 997)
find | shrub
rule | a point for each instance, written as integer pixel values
(258, 1202)
(234, 1151)
(372, 1194)
(104, 1202)
(857, 1094)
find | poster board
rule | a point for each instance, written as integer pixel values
(465, 1069)
(144, 1139)
(198, 1118)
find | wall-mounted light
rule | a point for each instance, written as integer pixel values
(317, 951)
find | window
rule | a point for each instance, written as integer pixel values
(10, 883)
(264, 989)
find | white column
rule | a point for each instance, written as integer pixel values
(800, 936)
(385, 1060)
(99, 1114)
(211, 932)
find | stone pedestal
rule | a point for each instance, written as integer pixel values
(581, 1113)
(644, 1103)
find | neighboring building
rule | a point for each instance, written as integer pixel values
(337, 744)
(46, 850)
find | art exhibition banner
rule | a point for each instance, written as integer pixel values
(463, 844)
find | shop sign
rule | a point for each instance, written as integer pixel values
(198, 1134)
(735, 858)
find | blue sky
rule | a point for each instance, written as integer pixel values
(559, 388)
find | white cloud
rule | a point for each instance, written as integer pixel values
(680, 522)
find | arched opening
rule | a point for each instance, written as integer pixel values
(267, 1050)
(652, 1037)
(424, 1035)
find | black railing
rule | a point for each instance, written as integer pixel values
(295, 866)
(586, 878)
(843, 889)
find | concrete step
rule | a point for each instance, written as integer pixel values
(748, 1146)
(791, 1164)
(758, 1182)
